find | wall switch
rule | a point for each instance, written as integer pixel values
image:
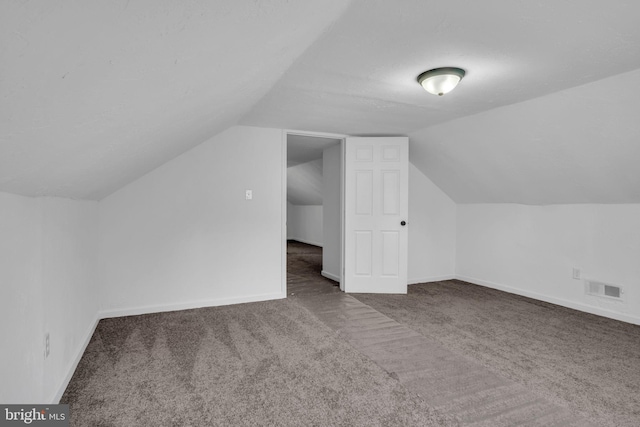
(576, 273)
(248, 194)
(47, 347)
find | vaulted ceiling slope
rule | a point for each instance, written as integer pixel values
(580, 145)
(360, 77)
(485, 141)
(304, 183)
(95, 94)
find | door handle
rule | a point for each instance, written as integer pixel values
(403, 223)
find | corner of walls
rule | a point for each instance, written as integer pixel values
(432, 230)
(49, 245)
(70, 237)
(66, 374)
(529, 250)
(21, 317)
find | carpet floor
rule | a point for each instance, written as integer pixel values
(268, 363)
(260, 364)
(447, 354)
(586, 363)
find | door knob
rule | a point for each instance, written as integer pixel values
(403, 223)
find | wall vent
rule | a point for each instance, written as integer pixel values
(600, 289)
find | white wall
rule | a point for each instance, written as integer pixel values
(21, 318)
(531, 250)
(69, 272)
(184, 236)
(48, 278)
(432, 230)
(304, 223)
(289, 230)
(331, 216)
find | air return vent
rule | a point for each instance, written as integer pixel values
(602, 289)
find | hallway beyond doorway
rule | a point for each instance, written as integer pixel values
(304, 267)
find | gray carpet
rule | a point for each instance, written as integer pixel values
(447, 354)
(447, 381)
(586, 363)
(268, 364)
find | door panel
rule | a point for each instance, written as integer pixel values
(390, 254)
(364, 192)
(391, 192)
(376, 201)
(363, 246)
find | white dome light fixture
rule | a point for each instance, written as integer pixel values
(441, 80)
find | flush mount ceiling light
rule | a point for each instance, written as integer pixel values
(441, 80)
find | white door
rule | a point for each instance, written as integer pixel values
(376, 207)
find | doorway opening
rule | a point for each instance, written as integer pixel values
(313, 212)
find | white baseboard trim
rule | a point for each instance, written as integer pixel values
(553, 300)
(431, 279)
(330, 276)
(146, 310)
(74, 363)
(307, 241)
(134, 311)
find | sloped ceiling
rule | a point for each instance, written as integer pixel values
(95, 94)
(304, 148)
(304, 168)
(580, 145)
(304, 183)
(359, 78)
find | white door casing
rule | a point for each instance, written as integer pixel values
(376, 203)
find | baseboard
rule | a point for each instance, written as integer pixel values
(409, 282)
(134, 311)
(558, 301)
(431, 279)
(146, 310)
(307, 241)
(74, 363)
(330, 276)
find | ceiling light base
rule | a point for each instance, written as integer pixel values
(441, 80)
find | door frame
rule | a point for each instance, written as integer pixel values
(341, 137)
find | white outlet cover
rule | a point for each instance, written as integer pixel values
(576, 273)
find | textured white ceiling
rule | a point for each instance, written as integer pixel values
(96, 94)
(359, 78)
(580, 145)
